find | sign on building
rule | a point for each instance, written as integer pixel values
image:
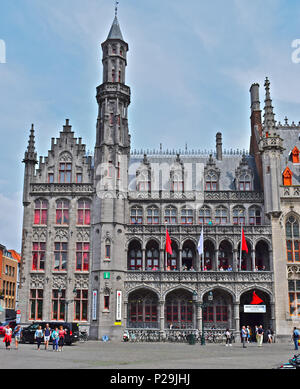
(254, 309)
(94, 305)
(119, 306)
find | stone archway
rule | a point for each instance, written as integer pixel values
(143, 309)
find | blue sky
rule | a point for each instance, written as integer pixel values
(190, 67)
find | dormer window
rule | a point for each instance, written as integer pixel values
(244, 182)
(287, 177)
(211, 181)
(295, 155)
(65, 172)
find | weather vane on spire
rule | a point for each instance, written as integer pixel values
(116, 8)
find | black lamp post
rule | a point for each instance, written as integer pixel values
(67, 302)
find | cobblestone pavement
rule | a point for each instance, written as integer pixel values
(93, 354)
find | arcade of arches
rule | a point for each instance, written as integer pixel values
(224, 257)
(181, 309)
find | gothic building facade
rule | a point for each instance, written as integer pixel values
(94, 229)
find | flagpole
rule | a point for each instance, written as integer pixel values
(241, 248)
(202, 255)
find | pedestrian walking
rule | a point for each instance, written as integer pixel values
(295, 337)
(47, 334)
(38, 336)
(7, 337)
(256, 335)
(270, 335)
(248, 334)
(228, 337)
(55, 337)
(61, 334)
(244, 335)
(260, 336)
(18, 335)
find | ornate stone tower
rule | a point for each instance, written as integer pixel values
(112, 152)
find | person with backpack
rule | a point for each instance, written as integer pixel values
(38, 336)
(244, 335)
(295, 337)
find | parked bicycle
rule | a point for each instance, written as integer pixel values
(83, 336)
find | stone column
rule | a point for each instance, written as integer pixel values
(180, 260)
(236, 311)
(162, 316)
(235, 260)
(143, 259)
(198, 316)
(216, 261)
(271, 267)
(162, 260)
(253, 259)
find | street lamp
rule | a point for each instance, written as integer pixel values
(67, 302)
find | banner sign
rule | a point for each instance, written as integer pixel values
(94, 305)
(119, 306)
(254, 309)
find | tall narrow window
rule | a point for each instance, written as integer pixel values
(38, 256)
(40, 212)
(113, 75)
(82, 256)
(60, 256)
(245, 182)
(84, 212)
(292, 239)
(81, 305)
(294, 298)
(255, 216)
(211, 181)
(58, 304)
(36, 304)
(50, 178)
(187, 216)
(62, 212)
(205, 215)
(79, 178)
(65, 172)
(106, 303)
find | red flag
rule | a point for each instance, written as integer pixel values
(168, 243)
(256, 300)
(244, 243)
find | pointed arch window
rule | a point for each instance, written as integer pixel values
(221, 215)
(287, 177)
(187, 216)
(144, 182)
(211, 181)
(292, 239)
(205, 215)
(135, 257)
(152, 215)
(245, 182)
(239, 216)
(152, 256)
(136, 215)
(255, 216)
(171, 215)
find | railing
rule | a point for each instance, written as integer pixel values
(62, 188)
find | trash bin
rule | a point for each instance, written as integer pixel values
(191, 339)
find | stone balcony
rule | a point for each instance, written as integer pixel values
(198, 277)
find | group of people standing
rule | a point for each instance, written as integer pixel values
(247, 336)
(57, 335)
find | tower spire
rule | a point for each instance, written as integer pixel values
(30, 153)
(269, 116)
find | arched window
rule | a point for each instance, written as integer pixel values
(40, 211)
(211, 181)
(177, 182)
(62, 212)
(171, 215)
(144, 182)
(152, 215)
(239, 216)
(245, 182)
(187, 216)
(179, 309)
(84, 212)
(152, 256)
(205, 215)
(172, 259)
(136, 215)
(135, 257)
(292, 239)
(255, 216)
(221, 215)
(143, 309)
(188, 255)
